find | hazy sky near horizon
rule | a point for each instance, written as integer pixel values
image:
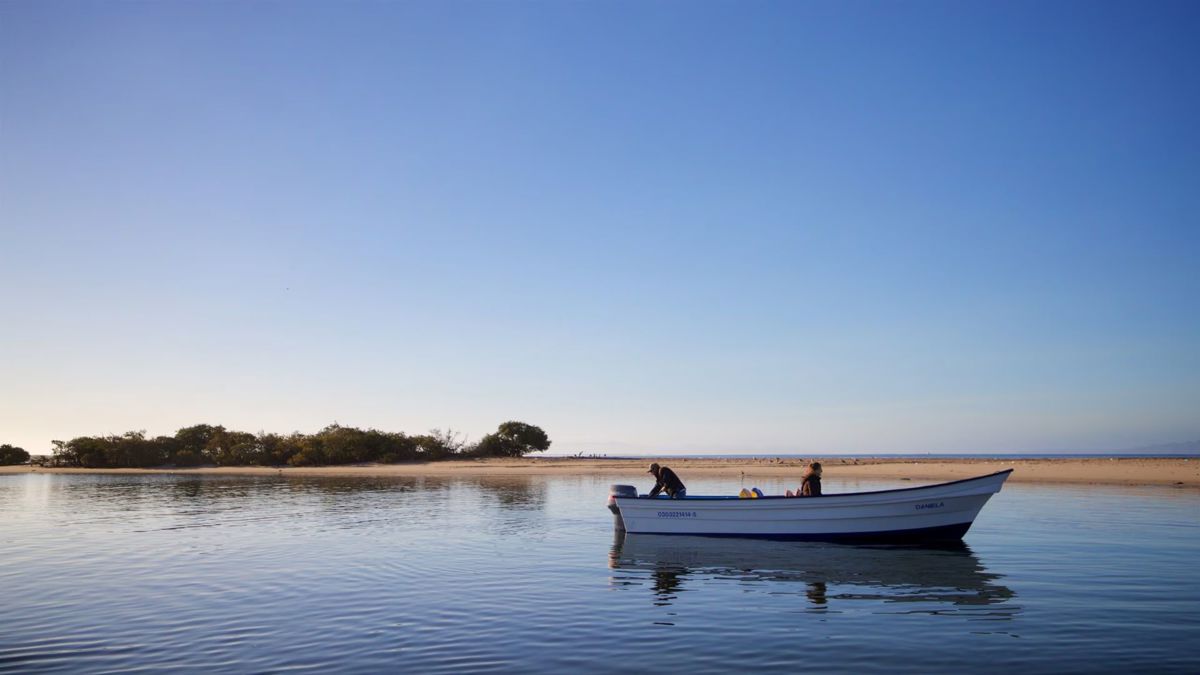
(655, 226)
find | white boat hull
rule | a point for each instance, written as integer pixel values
(929, 513)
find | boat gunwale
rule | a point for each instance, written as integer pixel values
(832, 494)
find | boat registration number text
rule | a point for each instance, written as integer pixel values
(676, 514)
(930, 505)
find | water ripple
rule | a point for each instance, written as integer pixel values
(212, 574)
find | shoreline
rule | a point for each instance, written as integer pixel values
(1170, 472)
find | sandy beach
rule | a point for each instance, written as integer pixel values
(1175, 472)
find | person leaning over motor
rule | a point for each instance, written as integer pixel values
(668, 482)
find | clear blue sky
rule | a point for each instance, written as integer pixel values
(656, 226)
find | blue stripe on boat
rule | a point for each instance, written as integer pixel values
(916, 536)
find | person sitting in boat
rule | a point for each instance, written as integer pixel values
(811, 485)
(667, 481)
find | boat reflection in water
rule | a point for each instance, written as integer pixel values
(947, 577)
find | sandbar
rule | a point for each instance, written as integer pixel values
(1177, 472)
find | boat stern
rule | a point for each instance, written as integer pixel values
(619, 491)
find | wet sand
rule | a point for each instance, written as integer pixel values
(1111, 471)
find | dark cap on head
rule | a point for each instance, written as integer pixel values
(653, 468)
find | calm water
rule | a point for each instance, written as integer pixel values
(108, 573)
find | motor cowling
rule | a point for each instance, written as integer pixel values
(615, 491)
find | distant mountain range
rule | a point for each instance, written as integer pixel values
(1184, 448)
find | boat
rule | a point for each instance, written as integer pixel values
(916, 515)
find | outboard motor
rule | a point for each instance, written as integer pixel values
(619, 491)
